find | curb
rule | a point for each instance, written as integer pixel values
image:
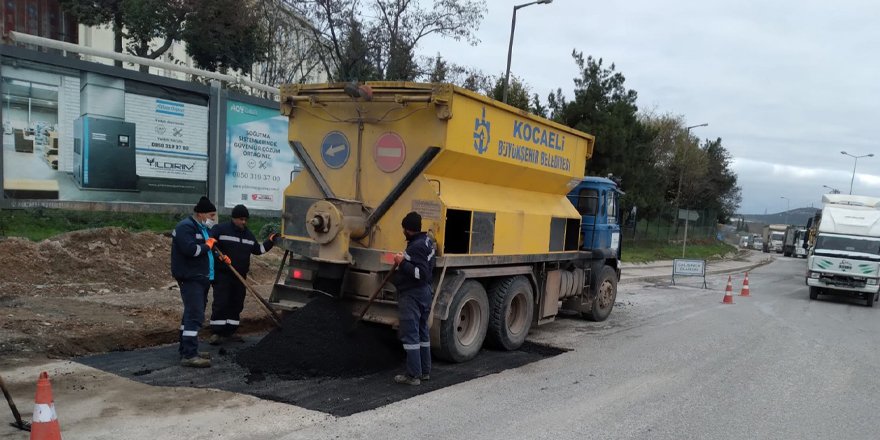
(745, 268)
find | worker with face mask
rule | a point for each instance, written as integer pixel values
(237, 243)
(192, 265)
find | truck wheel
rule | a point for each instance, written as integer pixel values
(512, 304)
(870, 299)
(463, 332)
(814, 292)
(604, 293)
(787, 254)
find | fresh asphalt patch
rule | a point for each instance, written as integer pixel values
(339, 396)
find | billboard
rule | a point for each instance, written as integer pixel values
(259, 162)
(81, 136)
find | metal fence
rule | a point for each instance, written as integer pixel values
(667, 228)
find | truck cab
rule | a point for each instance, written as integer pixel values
(597, 200)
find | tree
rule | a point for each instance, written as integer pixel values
(605, 108)
(385, 33)
(722, 194)
(517, 94)
(291, 55)
(225, 34)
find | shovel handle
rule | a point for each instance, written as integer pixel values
(376, 294)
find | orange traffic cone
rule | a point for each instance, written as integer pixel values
(728, 292)
(745, 289)
(45, 422)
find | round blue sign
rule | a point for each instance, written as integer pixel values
(335, 149)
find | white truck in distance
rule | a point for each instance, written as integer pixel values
(845, 259)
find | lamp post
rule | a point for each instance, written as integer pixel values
(678, 194)
(787, 207)
(854, 166)
(833, 190)
(505, 86)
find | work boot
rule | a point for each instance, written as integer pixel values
(195, 362)
(205, 355)
(216, 340)
(405, 379)
(426, 377)
(235, 338)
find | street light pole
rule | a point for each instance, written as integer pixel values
(505, 86)
(787, 207)
(833, 190)
(854, 166)
(678, 194)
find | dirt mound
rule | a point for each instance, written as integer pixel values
(88, 261)
(317, 341)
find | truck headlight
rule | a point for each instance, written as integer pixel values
(814, 275)
(872, 281)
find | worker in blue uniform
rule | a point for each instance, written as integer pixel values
(237, 243)
(193, 267)
(415, 269)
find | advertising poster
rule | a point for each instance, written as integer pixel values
(172, 139)
(259, 162)
(81, 137)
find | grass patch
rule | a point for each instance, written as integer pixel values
(646, 251)
(39, 224)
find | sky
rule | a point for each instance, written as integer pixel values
(786, 84)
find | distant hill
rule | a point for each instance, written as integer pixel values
(797, 216)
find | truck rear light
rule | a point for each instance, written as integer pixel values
(301, 274)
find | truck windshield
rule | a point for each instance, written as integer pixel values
(777, 236)
(830, 244)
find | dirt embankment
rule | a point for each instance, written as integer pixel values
(97, 290)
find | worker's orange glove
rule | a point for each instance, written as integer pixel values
(210, 242)
(226, 259)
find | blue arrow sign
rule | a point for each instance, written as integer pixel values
(335, 149)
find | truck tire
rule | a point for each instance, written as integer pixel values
(604, 294)
(814, 293)
(786, 253)
(463, 332)
(512, 305)
(870, 300)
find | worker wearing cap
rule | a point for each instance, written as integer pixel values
(193, 267)
(237, 243)
(415, 268)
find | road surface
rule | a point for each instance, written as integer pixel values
(670, 363)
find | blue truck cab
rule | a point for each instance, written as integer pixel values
(597, 200)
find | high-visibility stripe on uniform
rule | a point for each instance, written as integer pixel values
(411, 346)
(425, 344)
(44, 413)
(181, 328)
(199, 236)
(262, 249)
(198, 251)
(229, 238)
(232, 322)
(418, 277)
(247, 242)
(406, 255)
(190, 333)
(174, 233)
(219, 322)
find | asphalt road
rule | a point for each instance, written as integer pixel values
(670, 363)
(673, 363)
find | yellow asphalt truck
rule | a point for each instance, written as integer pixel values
(521, 233)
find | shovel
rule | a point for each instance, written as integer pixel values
(268, 308)
(372, 298)
(20, 424)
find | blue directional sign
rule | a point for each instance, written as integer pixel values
(335, 149)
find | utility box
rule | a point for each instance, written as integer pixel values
(104, 154)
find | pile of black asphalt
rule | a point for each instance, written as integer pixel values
(320, 340)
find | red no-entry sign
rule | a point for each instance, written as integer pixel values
(389, 152)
